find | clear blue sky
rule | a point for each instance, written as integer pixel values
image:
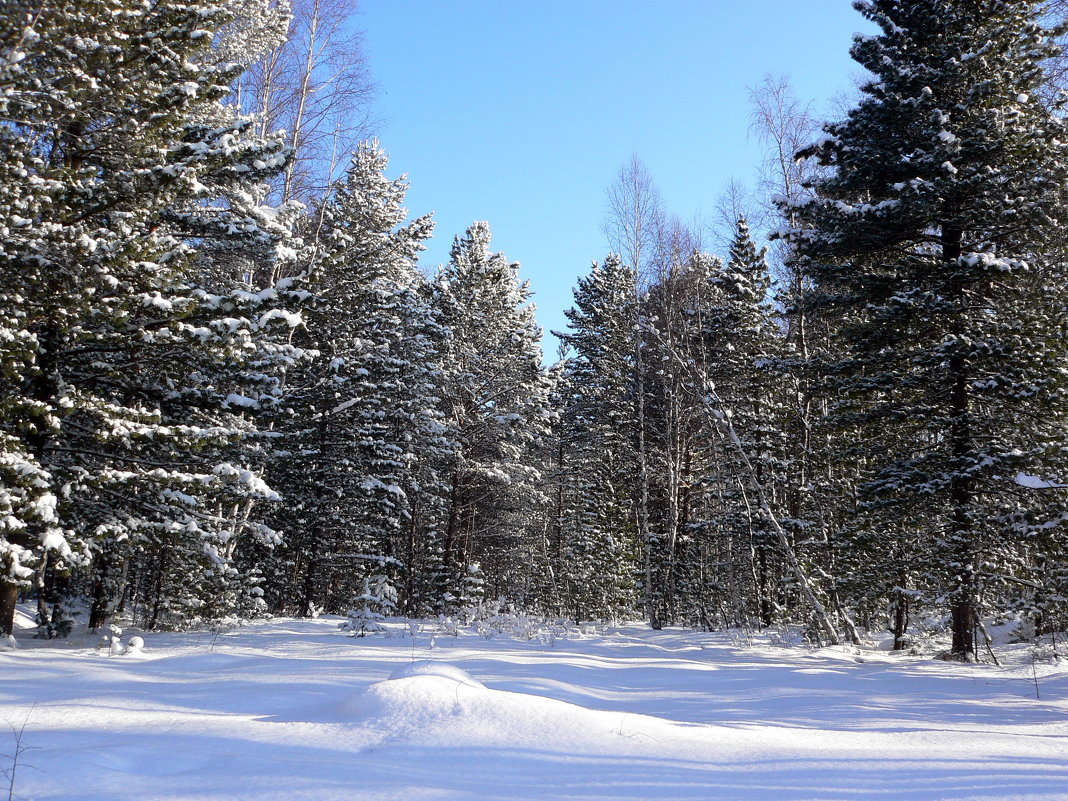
(521, 112)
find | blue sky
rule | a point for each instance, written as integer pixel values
(521, 112)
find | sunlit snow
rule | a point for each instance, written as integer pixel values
(296, 710)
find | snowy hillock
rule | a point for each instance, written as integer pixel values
(442, 670)
(296, 710)
(438, 704)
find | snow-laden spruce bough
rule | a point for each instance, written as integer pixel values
(216, 404)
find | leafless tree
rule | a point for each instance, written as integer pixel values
(667, 325)
(735, 200)
(1055, 13)
(316, 86)
(842, 101)
(783, 125)
(633, 215)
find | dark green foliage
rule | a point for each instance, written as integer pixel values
(935, 257)
(494, 396)
(597, 540)
(129, 179)
(362, 435)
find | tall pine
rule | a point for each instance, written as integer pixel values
(934, 252)
(599, 541)
(495, 396)
(139, 347)
(363, 415)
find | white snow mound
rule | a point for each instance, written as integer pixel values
(427, 667)
(438, 704)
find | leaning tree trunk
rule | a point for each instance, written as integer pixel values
(722, 422)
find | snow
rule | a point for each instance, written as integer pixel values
(297, 711)
(442, 670)
(240, 401)
(292, 319)
(1036, 482)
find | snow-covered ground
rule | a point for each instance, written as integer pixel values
(295, 710)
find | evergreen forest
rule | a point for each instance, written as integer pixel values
(228, 388)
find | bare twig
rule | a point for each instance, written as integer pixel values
(20, 749)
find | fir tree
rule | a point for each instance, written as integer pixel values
(933, 250)
(737, 347)
(363, 420)
(599, 542)
(114, 121)
(495, 393)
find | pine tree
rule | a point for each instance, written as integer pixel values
(364, 417)
(597, 432)
(934, 253)
(115, 127)
(495, 397)
(736, 348)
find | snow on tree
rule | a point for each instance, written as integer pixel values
(495, 396)
(597, 439)
(372, 606)
(364, 407)
(935, 252)
(133, 176)
(737, 350)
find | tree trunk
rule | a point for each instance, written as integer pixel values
(40, 584)
(409, 574)
(901, 619)
(9, 596)
(671, 480)
(819, 611)
(767, 609)
(98, 611)
(309, 587)
(645, 536)
(453, 523)
(963, 615)
(965, 594)
(157, 600)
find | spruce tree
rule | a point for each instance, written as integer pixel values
(934, 253)
(363, 416)
(599, 542)
(139, 356)
(738, 350)
(495, 399)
